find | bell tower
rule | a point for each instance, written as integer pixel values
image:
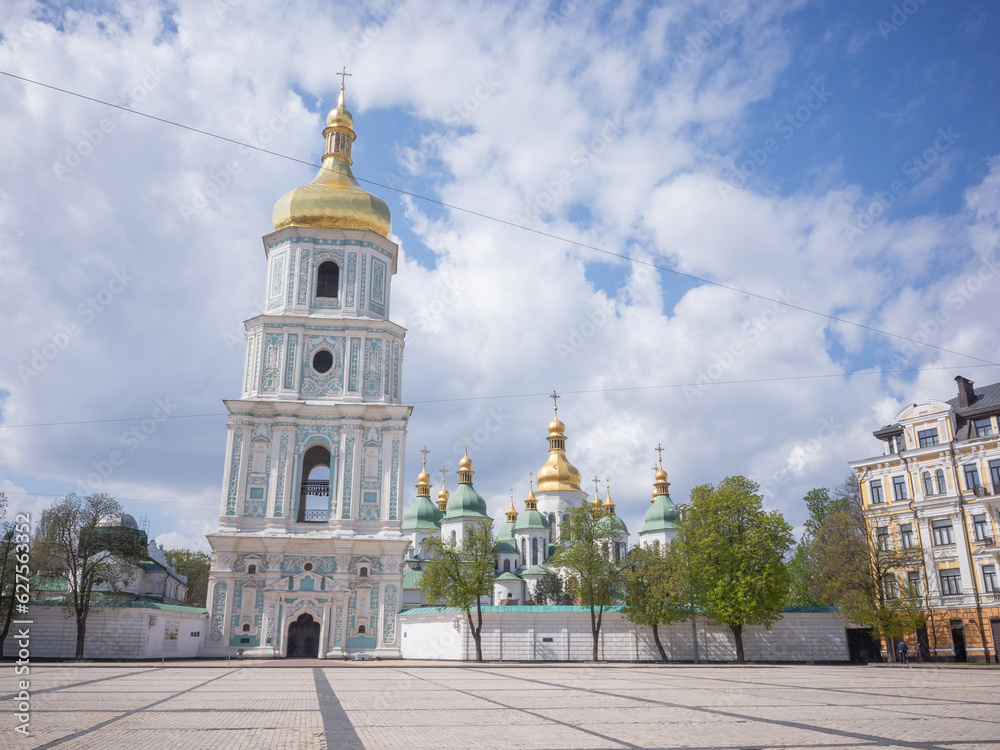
(309, 522)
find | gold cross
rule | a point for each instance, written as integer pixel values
(597, 486)
(343, 77)
(531, 480)
(425, 452)
(555, 401)
(466, 433)
(444, 474)
(659, 449)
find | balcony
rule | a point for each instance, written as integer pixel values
(314, 488)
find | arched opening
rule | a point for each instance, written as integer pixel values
(363, 572)
(506, 565)
(928, 485)
(314, 498)
(552, 527)
(361, 629)
(534, 550)
(454, 537)
(251, 570)
(939, 475)
(246, 628)
(327, 280)
(524, 550)
(303, 638)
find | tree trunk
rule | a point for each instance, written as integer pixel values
(738, 635)
(477, 630)
(659, 646)
(81, 633)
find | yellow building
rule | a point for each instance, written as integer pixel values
(936, 489)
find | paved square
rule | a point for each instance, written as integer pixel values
(341, 706)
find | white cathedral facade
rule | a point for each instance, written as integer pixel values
(312, 545)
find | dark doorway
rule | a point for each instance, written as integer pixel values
(958, 640)
(303, 638)
(862, 647)
(995, 632)
(923, 644)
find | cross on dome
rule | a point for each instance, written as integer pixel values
(659, 449)
(344, 75)
(555, 401)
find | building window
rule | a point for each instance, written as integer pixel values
(361, 629)
(307, 567)
(942, 486)
(983, 427)
(928, 438)
(906, 535)
(246, 628)
(327, 279)
(971, 477)
(942, 532)
(506, 566)
(534, 551)
(979, 527)
(913, 584)
(882, 538)
(989, 578)
(951, 582)
(251, 569)
(322, 361)
(896, 444)
(890, 586)
(875, 489)
(363, 572)
(899, 488)
(995, 476)
(928, 484)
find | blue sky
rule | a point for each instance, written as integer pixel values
(838, 156)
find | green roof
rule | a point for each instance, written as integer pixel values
(411, 578)
(535, 570)
(661, 515)
(465, 502)
(531, 519)
(506, 533)
(422, 515)
(506, 548)
(508, 577)
(124, 604)
(615, 522)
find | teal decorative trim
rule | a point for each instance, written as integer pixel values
(394, 500)
(348, 471)
(234, 474)
(352, 264)
(272, 362)
(361, 286)
(239, 565)
(293, 564)
(369, 508)
(291, 352)
(279, 491)
(370, 621)
(249, 368)
(218, 611)
(373, 367)
(352, 382)
(388, 368)
(338, 626)
(276, 286)
(374, 565)
(328, 434)
(395, 379)
(291, 279)
(389, 615)
(377, 296)
(279, 628)
(322, 384)
(303, 276)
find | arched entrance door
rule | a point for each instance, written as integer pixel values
(303, 638)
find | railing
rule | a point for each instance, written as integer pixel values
(315, 488)
(317, 515)
(987, 541)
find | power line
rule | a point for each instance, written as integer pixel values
(121, 499)
(498, 220)
(580, 392)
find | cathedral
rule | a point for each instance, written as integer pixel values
(313, 554)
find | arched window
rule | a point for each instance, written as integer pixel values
(454, 537)
(939, 475)
(251, 569)
(524, 550)
(534, 551)
(506, 565)
(361, 629)
(928, 484)
(327, 279)
(363, 572)
(246, 628)
(314, 495)
(552, 527)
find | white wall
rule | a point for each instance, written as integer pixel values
(520, 635)
(112, 633)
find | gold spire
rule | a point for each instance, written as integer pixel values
(423, 478)
(465, 471)
(558, 473)
(530, 502)
(511, 511)
(609, 506)
(660, 484)
(334, 198)
(443, 494)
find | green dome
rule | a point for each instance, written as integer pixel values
(662, 514)
(535, 570)
(508, 577)
(506, 533)
(531, 519)
(422, 515)
(465, 502)
(614, 522)
(506, 547)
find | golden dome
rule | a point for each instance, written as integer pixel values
(660, 476)
(442, 501)
(466, 463)
(334, 198)
(558, 473)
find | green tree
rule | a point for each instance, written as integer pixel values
(586, 552)
(10, 537)
(70, 543)
(549, 590)
(804, 565)
(655, 582)
(736, 552)
(194, 565)
(460, 575)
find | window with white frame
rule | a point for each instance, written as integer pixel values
(899, 488)
(906, 535)
(971, 476)
(913, 587)
(942, 486)
(890, 586)
(983, 427)
(980, 527)
(928, 438)
(928, 484)
(951, 582)
(882, 538)
(896, 444)
(942, 532)
(875, 490)
(990, 578)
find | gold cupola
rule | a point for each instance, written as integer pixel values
(511, 511)
(609, 506)
(334, 198)
(423, 478)
(443, 494)
(558, 473)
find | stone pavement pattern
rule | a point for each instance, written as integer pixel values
(317, 705)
